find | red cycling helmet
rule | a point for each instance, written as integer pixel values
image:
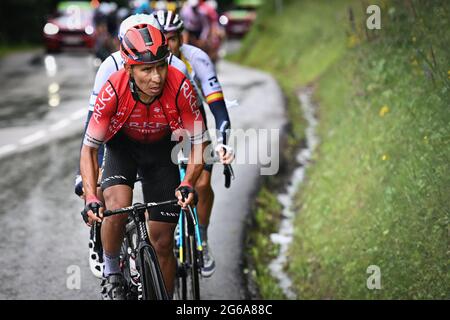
(143, 44)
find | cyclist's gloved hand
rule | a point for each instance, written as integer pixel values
(226, 153)
(186, 195)
(93, 206)
(79, 186)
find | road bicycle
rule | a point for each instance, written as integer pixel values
(138, 259)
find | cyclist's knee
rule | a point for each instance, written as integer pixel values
(163, 243)
(203, 188)
(118, 220)
(113, 202)
(117, 197)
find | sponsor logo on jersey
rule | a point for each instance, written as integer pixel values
(145, 125)
(102, 99)
(191, 97)
(169, 214)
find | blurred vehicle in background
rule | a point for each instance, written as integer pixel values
(71, 26)
(238, 20)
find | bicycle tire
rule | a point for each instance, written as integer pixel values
(132, 290)
(152, 281)
(180, 291)
(192, 281)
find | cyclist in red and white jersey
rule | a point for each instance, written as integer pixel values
(114, 63)
(134, 115)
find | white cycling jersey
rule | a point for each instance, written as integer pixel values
(202, 73)
(114, 63)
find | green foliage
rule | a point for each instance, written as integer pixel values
(378, 193)
(21, 22)
(295, 45)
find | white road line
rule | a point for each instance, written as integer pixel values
(7, 148)
(78, 114)
(42, 133)
(59, 125)
(33, 137)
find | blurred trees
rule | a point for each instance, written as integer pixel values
(21, 21)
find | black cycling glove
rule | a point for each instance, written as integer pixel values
(185, 190)
(94, 207)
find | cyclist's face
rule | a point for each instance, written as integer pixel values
(150, 78)
(174, 42)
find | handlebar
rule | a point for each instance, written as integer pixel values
(227, 171)
(138, 206)
(229, 174)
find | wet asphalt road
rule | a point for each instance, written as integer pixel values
(42, 237)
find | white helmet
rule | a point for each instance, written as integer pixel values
(135, 20)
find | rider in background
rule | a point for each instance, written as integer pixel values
(217, 33)
(105, 28)
(196, 23)
(203, 76)
(142, 7)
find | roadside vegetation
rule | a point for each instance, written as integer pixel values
(377, 193)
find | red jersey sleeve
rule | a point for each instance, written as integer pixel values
(190, 115)
(105, 107)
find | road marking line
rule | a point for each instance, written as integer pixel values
(7, 148)
(33, 137)
(59, 125)
(78, 114)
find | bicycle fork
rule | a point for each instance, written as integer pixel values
(159, 289)
(194, 218)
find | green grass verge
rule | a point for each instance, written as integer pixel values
(268, 47)
(10, 49)
(260, 250)
(377, 193)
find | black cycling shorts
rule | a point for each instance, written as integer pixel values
(124, 158)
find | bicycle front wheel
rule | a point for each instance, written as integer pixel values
(192, 282)
(152, 281)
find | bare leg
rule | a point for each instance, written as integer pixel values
(205, 197)
(113, 228)
(161, 237)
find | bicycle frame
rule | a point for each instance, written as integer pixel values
(193, 218)
(137, 213)
(189, 230)
(144, 244)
